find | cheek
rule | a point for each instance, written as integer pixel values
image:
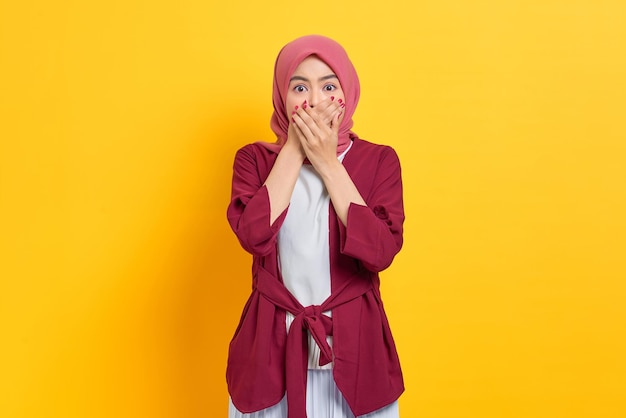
(291, 102)
(339, 95)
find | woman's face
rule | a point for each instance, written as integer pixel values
(314, 82)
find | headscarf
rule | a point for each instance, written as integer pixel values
(333, 54)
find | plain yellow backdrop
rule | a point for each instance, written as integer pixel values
(121, 283)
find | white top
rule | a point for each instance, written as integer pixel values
(303, 247)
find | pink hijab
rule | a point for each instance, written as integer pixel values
(337, 59)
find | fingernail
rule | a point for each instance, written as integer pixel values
(340, 101)
(296, 107)
(304, 105)
(293, 113)
(332, 98)
(343, 105)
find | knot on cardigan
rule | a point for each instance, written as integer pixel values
(309, 318)
(319, 325)
(313, 311)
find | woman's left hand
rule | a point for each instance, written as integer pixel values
(317, 128)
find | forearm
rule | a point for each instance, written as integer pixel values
(373, 234)
(341, 189)
(282, 180)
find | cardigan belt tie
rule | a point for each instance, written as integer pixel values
(305, 318)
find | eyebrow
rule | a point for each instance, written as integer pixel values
(326, 77)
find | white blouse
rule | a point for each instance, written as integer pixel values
(303, 247)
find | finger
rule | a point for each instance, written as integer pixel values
(311, 119)
(328, 114)
(336, 121)
(305, 125)
(320, 125)
(325, 109)
(304, 142)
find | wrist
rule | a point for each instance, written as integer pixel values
(292, 151)
(330, 169)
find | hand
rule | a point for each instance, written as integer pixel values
(317, 130)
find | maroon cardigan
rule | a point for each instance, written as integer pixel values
(264, 360)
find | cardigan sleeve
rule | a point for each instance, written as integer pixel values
(249, 209)
(374, 232)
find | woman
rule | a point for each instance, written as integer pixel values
(321, 212)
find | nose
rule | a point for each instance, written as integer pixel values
(314, 98)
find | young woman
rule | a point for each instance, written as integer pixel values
(321, 212)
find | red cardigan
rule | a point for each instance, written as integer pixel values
(264, 360)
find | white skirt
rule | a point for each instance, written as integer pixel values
(323, 400)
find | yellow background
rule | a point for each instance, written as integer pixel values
(121, 283)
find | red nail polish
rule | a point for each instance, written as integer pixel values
(340, 101)
(293, 113)
(304, 105)
(332, 98)
(343, 105)
(296, 107)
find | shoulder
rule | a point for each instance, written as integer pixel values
(258, 151)
(257, 157)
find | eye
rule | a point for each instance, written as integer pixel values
(330, 87)
(299, 88)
